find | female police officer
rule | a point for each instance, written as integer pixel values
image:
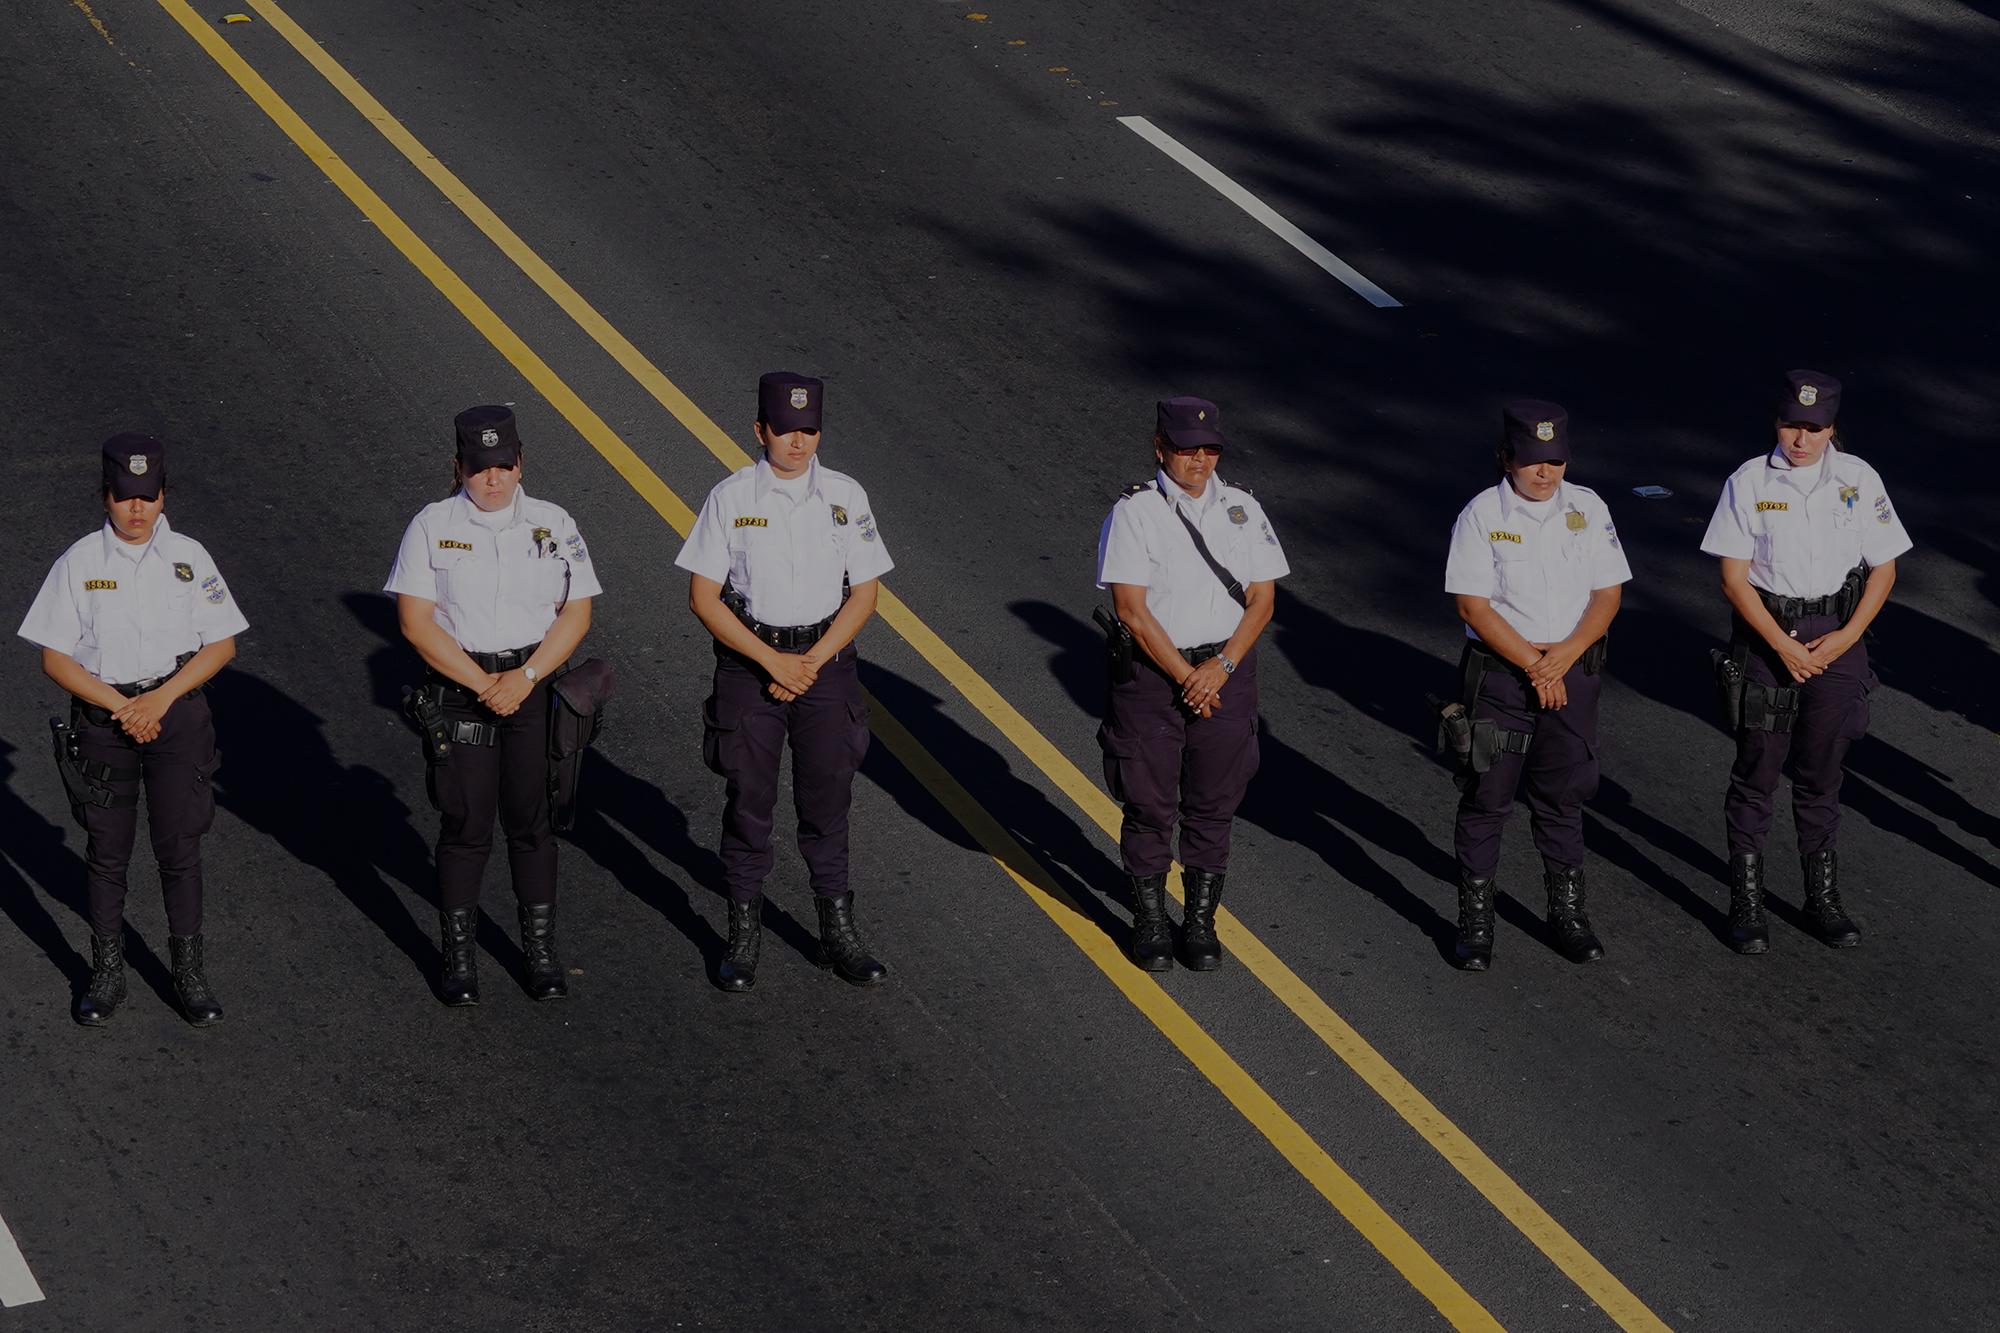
(493, 589)
(1191, 563)
(782, 567)
(132, 621)
(1808, 542)
(1536, 568)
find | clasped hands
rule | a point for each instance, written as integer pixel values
(1546, 672)
(792, 674)
(1812, 657)
(142, 714)
(1201, 688)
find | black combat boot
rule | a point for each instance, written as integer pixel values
(458, 980)
(1747, 932)
(1200, 950)
(198, 1003)
(538, 940)
(1152, 930)
(106, 991)
(738, 971)
(1567, 918)
(840, 944)
(1823, 912)
(1475, 921)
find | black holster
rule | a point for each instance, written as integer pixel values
(1118, 645)
(1751, 705)
(423, 705)
(85, 781)
(577, 696)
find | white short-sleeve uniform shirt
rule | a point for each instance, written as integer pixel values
(498, 579)
(128, 612)
(1803, 529)
(1144, 545)
(1537, 562)
(787, 545)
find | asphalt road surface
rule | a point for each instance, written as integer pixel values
(294, 246)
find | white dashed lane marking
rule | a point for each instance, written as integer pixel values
(17, 1284)
(1261, 211)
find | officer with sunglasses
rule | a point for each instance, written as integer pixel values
(1191, 563)
(1808, 543)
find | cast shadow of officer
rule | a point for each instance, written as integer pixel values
(1291, 797)
(34, 854)
(280, 776)
(1049, 836)
(617, 812)
(385, 836)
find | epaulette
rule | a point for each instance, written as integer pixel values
(1135, 488)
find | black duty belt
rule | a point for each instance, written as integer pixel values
(133, 689)
(1789, 611)
(511, 659)
(1840, 603)
(1202, 652)
(786, 638)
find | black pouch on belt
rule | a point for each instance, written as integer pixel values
(577, 696)
(1728, 668)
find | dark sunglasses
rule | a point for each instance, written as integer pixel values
(1190, 450)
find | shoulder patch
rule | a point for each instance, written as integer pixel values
(1135, 488)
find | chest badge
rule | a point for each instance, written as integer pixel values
(185, 573)
(540, 535)
(1849, 494)
(1237, 516)
(1577, 522)
(839, 516)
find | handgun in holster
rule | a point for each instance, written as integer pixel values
(86, 781)
(1118, 645)
(424, 706)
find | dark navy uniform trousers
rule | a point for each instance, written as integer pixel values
(509, 779)
(1833, 714)
(175, 769)
(1160, 762)
(743, 737)
(1560, 767)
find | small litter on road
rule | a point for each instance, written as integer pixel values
(1652, 492)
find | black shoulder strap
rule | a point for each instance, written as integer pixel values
(1235, 589)
(1135, 488)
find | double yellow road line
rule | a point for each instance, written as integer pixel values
(1257, 1106)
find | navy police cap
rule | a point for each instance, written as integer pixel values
(788, 401)
(487, 437)
(1185, 423)
(1810, 397)
(1535, 431)
(134, 465)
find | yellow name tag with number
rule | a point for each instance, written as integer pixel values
(447, 544)
(753, 522)
(100, 585)
(1781, 506)
(1498, 536)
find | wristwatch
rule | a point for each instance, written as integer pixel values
(1228, 667)
(532, 674)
